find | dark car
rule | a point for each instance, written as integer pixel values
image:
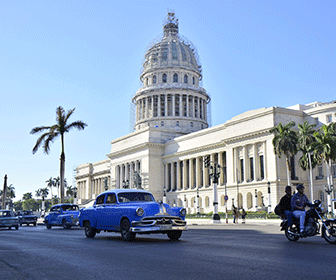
(27, 217)
(8, 219)
(65, 215)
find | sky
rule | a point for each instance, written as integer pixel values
(88, 55)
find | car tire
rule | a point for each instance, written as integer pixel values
(34, 224)
(17, 227)
(126, 234)
(48, 225)
(174, 235)
(65, 225)
(9, 228)
(90, 232)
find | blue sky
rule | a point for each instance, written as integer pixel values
(88, 55)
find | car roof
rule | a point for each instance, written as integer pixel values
(117, 191)
(4, 210)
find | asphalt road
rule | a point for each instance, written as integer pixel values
(204, 252)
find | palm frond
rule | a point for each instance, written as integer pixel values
(68, 114)
(38, 129)
(39, 141)
(77, 124)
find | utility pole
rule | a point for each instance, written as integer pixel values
(4, 193)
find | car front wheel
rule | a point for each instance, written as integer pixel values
(126, 234)
(65, 225)
(174, 235)
(90, 232)
(17, 227)
(48, 225)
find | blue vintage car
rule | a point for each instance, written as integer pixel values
(65, 215)
(27, 217)
(130, 212)
(8, 219)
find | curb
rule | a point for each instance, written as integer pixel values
(222, 222)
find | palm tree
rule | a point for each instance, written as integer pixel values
(50, 183)
(10, 193)
(306, 142)
(27, 196)
(42, 192)
(50, 133)
(285, 142)
(70, 191)
(57, 183)
(325, 151)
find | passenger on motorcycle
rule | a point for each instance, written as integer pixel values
(285, 205)
(299, 202)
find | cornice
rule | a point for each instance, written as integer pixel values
(133, 149)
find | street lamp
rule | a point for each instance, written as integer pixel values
(185, 201)
(329, 189)
(125, 184)
(198, 204)
(269, 196)
(215, 172)
(164, 199)
(256, 199)
(75, 194)
(105, 184)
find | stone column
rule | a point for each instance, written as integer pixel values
(173, 175)
(191, 173)
(221, 163)
(198, 172)
(265, 161)
(246, 164)
(193, 107)
(178, 174)
(205, 174)
(166, 104)
(166, 175)
(187, 105)
(181, 105)
(173, 104)
(185, 175)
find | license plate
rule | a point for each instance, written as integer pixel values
(166, 227)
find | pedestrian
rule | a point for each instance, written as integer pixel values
(243, 214)
(235, 214)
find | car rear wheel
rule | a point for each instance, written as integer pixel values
(17, 227)
(90, 232)
(34, 224)
(48, 225)
(9, 228)
(126, 234)
(174, 235)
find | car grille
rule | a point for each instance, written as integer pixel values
(163, 220)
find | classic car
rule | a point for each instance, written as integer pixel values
(27, 217)
(130, 212)
(8, 219)
(65, 215)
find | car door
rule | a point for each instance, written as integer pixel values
(54, 212)
(100, 209)
(111, 212)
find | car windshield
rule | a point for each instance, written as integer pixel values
(70, 208)
(135, 196)
(5, 214)
(27, 213)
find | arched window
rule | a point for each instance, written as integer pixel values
(240, 200)
(193, 80)
(146, 81)
(164, 78)
(175, 78)
(192, 201)
(249, 200)
(200, 202)
(260, 199)
(222, 200)
(154, 79)
(185, 79)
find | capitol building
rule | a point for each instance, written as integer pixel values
(165, 153)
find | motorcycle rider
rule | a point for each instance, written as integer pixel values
(285, 205)
(299, 202)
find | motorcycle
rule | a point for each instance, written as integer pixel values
(315, 223)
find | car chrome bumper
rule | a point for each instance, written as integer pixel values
(157, 228)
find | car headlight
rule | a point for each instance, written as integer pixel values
(140, 212)
(183, 212)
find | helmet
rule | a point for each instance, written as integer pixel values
(299, 187)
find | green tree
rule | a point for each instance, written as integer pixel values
(42, 192)
(325, 151)
(30, 204)
(18, 205)
(50, 133)
(306, 142)
(285, 142)
(27, 195)
(70, 191)
(57, 183)
(50, 184)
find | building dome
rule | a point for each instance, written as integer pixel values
(171, 51)
(171, 96)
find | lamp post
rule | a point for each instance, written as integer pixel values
(75, 195)
(164, 198)
(198, 204)
(125, 184)
(256, 199)
(185, 201)
(105, 184)
(215, 172)
(269, 196)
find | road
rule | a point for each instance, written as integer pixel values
(204, 252)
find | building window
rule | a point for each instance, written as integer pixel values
(155, 106)
(154, 79)
(170, 105)
(193, 80)
(191, 124)
(164, 78)
(177, 123)
(261, 164)
(319, 172)
(162, 123)
(162, 105)
(196, 107)
(177, 105)
(190, 98)
(185, 79)
(329, 118)
(146, 81)
(175, 78)
(321, 196)
(292, 168)
(241, 170)
(333, 170)
(200, 108)
(251, 169)
(207, 201)
(184, 105)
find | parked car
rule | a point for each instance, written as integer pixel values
(27, 217)
(65, 215)
(130, 212)
(8, 219)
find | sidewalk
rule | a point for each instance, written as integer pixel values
(222, 221)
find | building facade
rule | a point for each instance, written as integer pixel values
(165, 153)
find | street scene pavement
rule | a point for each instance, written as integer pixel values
(226, 251)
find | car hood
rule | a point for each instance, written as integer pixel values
(71, 213)
(151, 208)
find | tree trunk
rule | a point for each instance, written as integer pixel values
(288, 171)
(329, 186)
(62, 168)
(311, 178)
